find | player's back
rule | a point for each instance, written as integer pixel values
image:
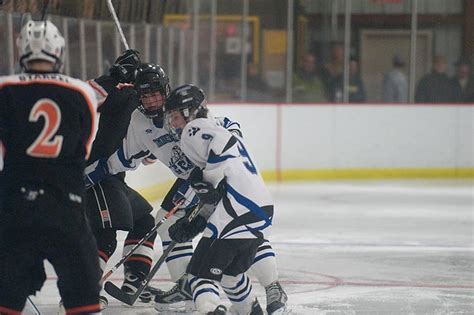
(47, 122)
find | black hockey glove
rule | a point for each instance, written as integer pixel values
(207, 193)
(204, 190)
(124, 67)
(183, 230)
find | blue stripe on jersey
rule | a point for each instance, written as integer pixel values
(246, 229)
(249, 204)
(213, 229)
(121, 156)
(217, 158)
(228, 123)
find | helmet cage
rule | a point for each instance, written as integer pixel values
(150, 81)
(189, 101)
(188, 113)
(150, 96)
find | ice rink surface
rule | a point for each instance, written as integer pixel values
(363, 247)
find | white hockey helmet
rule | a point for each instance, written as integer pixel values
(40, 40)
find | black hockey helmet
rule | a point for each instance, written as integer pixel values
(152, 85)
(189, 101)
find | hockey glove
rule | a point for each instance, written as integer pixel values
(124, 67)
(185, 192)
(207, 193)
(183, 230)
(95, 172)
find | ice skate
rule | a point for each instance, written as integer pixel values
(220, 310)
(179, 298)
(102, 301)
(276, 299)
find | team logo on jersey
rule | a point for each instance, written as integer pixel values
(164, 139)
(215, 271)
(193, 131)
(178, 162)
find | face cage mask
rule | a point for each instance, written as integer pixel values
(147, 104)
(188, 115)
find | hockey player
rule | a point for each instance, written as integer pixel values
(147, 140)
(241, 209)
(46, 127)
(148, 137)
(112, 204)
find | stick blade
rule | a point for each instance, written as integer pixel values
(118, 294)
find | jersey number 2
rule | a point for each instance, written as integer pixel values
(47, 144)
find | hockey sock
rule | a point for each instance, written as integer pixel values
(205, 294)
(239, 292)
(264, 266)
(178, 260)
(141, 260)
(106, 244)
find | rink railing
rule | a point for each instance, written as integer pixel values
(342, 141)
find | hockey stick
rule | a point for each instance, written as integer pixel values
(143, 240)
(130, 299)
(117, 23)
(35, 308)
(44, 10)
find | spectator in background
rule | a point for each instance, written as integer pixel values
(356, 85)
(395, 82)
(463, 81)
(307, 85)
(335, 66)
(332, 70)
(436, 87)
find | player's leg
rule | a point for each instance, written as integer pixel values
(214, 258)
(72, 251)
(21, 270)
(179, 258)
(239, 291)
(264, 268)
(138, 265)
(236, 283)
(106, 245)
(108, 210)
(179, 296)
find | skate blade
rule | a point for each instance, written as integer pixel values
(178, 307)
(281, 311)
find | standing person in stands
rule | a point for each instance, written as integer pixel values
(395, 82)
(436, 87)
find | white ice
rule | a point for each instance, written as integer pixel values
(363, 247)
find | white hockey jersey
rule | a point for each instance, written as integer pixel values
(147, 141)
(246, 210)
